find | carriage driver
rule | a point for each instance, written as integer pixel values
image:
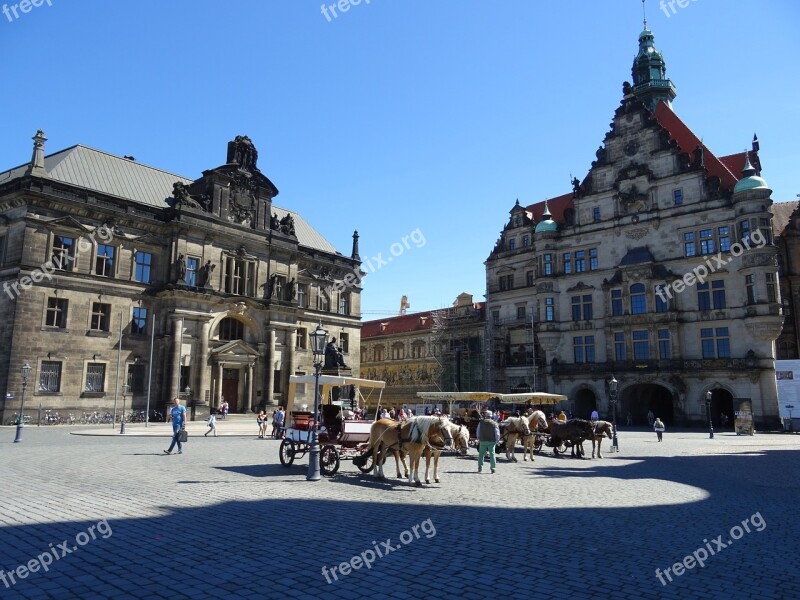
(488, 434)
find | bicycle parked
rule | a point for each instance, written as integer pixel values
(26, 420)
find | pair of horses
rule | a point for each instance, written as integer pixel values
(416, 437)
(524, 428)
(576, 431)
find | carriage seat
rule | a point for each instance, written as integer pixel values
(301, 420)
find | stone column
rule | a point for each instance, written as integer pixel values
(269, 366)
(202, 365)
(249, 388)
(175, 382)
(259, 376)
(218, 398)
(290, 367)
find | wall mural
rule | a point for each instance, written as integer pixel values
(404, 375)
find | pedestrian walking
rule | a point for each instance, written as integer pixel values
(488, 434)
(595, 415)
(658, 425)
(280, 416)
(212, 425)
(224, 408)
(177, 415)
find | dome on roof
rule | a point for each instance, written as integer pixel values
(547, 224)
(754, 182)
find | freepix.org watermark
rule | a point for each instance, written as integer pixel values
(63, 262)
(55, 552)
(671, 4)
(374, 263)
(23, 7)
(369, 556)
(702, 554)
(342, 5)
(701, 271)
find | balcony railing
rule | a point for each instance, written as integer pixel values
(639, 366)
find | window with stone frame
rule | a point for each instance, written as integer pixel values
(302, 295)
(95, 377)
(638, 299)
(192, 269)
(529, 278)
(239, 277)
(143, 264)
(56, 315)
(567, 259)
(380, 353)
(718, 294)
(620, 353)
(664, 349)
(549, 309)
(104, 261)
(139, 321)
(50, 376)
(344, 303)
(661, 298)
(323, 302)
(418, 350)
(230, 329)
(715, 342)
(101, 317)
(616, 303)
(641, 345)
(772, 288)
(547, 265)
(583, 349)
(344, 342)
(302, 339)
(398, 351)
(2, 249)
(63, 255)
(136, 378)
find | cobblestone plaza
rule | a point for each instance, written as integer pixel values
(113, 517)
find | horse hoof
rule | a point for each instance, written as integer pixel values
(428, 481)
(418, 483)
(436, 480)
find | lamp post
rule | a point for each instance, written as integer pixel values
(790, 407)
(708, 412)
(319, 339)
(26, 372)
(613, 387)
(125, 388)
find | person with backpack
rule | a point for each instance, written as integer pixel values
(658, 425)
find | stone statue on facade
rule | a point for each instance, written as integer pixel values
(333, 356)
(204, 274)
(287, 225)
(180, 269)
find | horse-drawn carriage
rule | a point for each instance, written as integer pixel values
(340, 437)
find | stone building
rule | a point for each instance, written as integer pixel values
(226, 285)
(440, 350)
(620, 276)
(786, 225)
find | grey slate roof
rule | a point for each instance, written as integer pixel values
(96, 170)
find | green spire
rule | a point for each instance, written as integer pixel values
(650, 83)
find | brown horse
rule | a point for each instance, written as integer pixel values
(460, 435)
(601, 430)
(573, 431)
(410, 437)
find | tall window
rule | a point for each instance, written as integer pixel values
(567, 263)
(63, 253)
(56, 313)
(766, 230)
(744, 231)
(750, 287)
(104, 264)
(664, 351)
(344, 303)
(596, 213)
(239, 277)
(583, 348)
(139, 321)
(101, 317)
(231, 329)
(506, 282)
(547, 265)
(703, 296)
(521, 313)
(718, 293)
(641, 345)
(380, 353)
(50, 376)
(417, 350)
(638, 299)
(398, 351)
(322, 301)
(344, 342)
(619, 346)
(302, 339)
(593, 259)
(512, 244)
(302, 295)
(526, 240)
(580, 261)
(689, 248)
(677, 197)
(529, 278)
(192, 267)
(662, 300)
(715, 342)
(549, 309)
(724, 237)
(616, 303)
(772, 290)
(496, 317)
(707, 241)
(582, 308)
(143, 264)
(136, 378)
(95, 377)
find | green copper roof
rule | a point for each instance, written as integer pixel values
(750, 183)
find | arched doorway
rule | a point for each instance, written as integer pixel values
(721, 403)
(641, 398)
(585, 403)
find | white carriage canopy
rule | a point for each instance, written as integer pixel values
(520, 398)
(327, 382)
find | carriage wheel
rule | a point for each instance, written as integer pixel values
(366, 467)
(329, 461)
(286, 452)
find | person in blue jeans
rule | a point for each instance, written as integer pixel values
(178, 415)
(488, 434)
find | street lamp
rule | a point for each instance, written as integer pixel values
(789, 408)
(122, 423)
(708, 411)
(26, 372)
(613, 386)
(319, 339)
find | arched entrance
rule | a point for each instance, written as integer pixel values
(641, 398)
(585, 403)
(721, 403)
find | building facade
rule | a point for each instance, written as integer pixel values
(652, 270)
(118, 274)
(441, 350)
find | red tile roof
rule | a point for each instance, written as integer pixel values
(556, 205)
(420, 321)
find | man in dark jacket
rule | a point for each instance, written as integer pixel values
(488, 434)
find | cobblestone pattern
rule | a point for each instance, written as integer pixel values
(226, 520)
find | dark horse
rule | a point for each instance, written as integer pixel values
(569, 432)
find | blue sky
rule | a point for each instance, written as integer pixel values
(396, 116)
